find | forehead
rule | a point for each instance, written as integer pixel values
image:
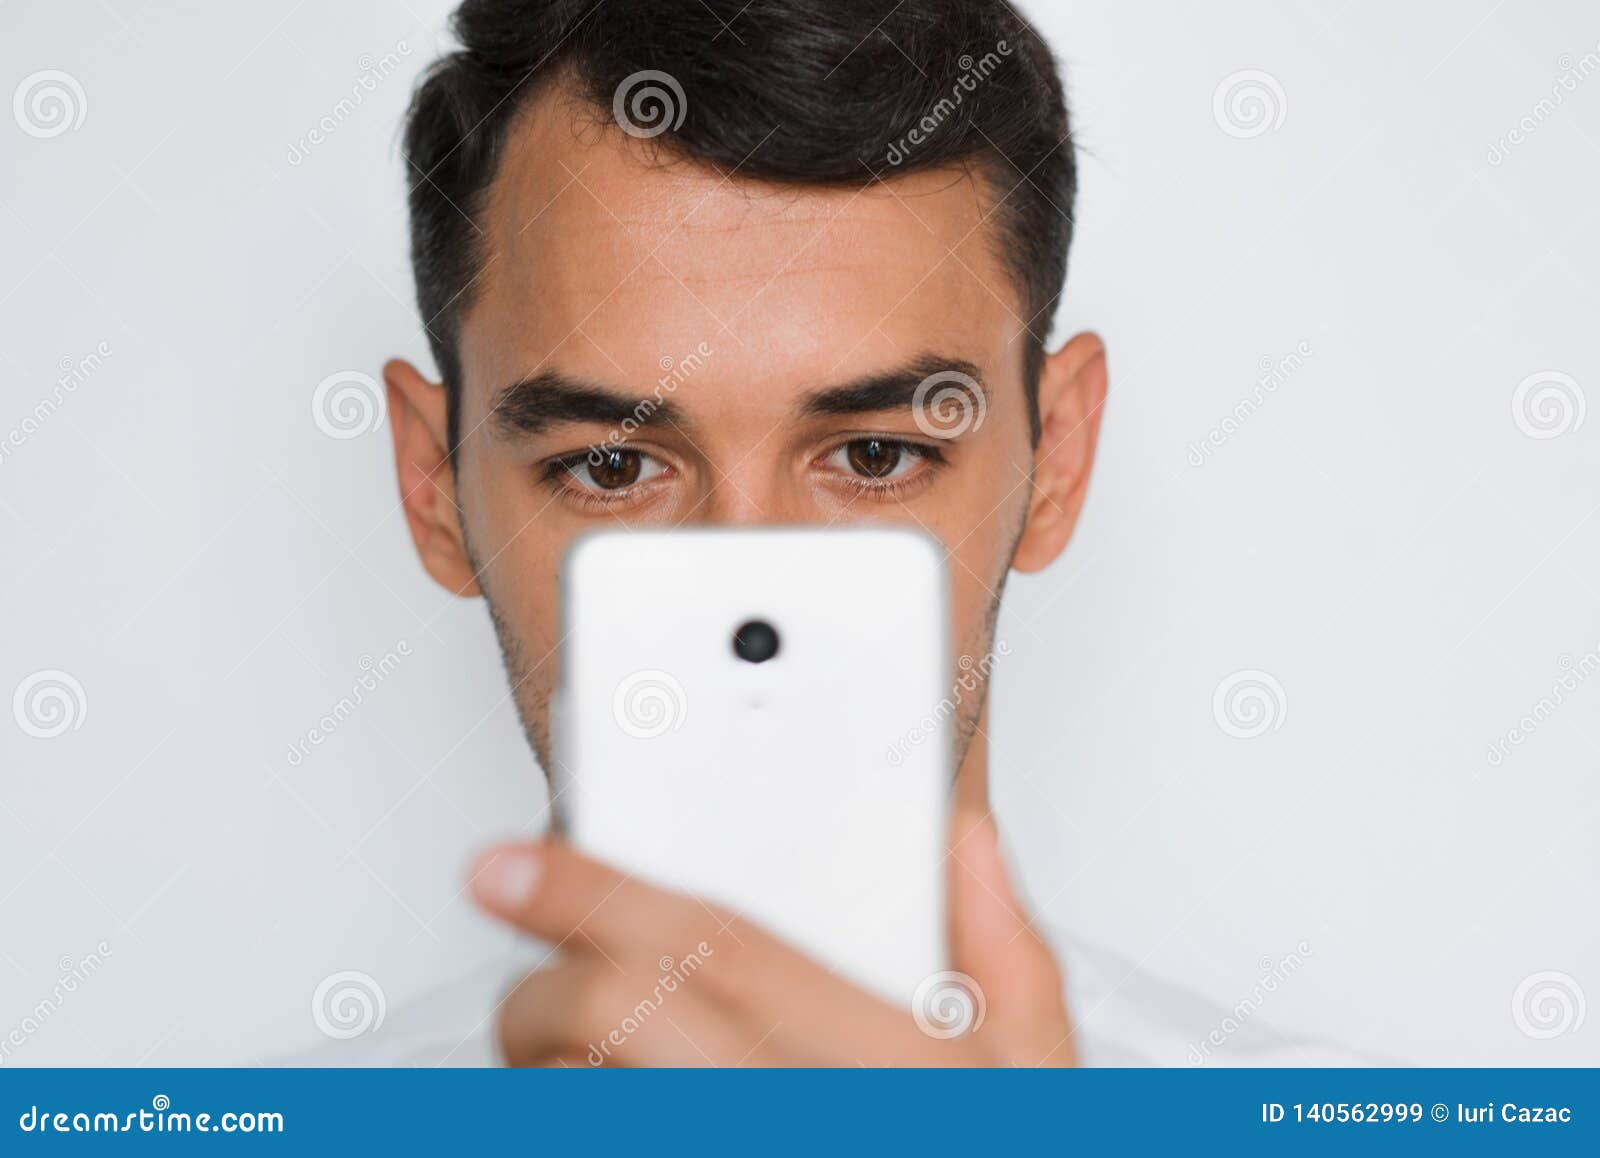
(604, 257)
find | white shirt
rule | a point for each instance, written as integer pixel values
(1122, 1017)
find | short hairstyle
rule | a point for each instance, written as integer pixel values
(835, 93)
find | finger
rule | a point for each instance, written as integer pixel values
(586, 1012)
(994, 941)
(796, 1007)
(561, 896)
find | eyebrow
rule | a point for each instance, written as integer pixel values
(890, 390)
(534, 404)
(546, 399)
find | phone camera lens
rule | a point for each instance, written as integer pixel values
(756, 641)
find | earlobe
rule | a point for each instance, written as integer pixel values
(418, 418)
(1072, 394)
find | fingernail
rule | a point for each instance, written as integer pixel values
(505, 879)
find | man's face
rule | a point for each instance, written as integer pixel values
(774, 336)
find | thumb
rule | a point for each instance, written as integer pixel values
(995, 943)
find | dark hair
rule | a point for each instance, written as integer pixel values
(815, 92)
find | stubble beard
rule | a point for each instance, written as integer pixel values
(533, 701)
(528, 694)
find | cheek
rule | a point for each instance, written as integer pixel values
(974, 587)
(524, 585)
(519, 547)
(981, 544)
(978, 566)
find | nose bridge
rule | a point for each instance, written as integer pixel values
(747, 492)
(741, 497)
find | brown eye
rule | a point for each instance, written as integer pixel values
(873, 457)
(612, 470)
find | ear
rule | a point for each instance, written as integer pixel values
(418, 412)
(1072, 393)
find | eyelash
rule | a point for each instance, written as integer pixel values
(558, 472)
(932, 456)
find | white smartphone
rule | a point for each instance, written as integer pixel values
(760, 718)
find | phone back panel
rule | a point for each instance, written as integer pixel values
(808, 793)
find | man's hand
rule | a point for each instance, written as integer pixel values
(647, 977)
